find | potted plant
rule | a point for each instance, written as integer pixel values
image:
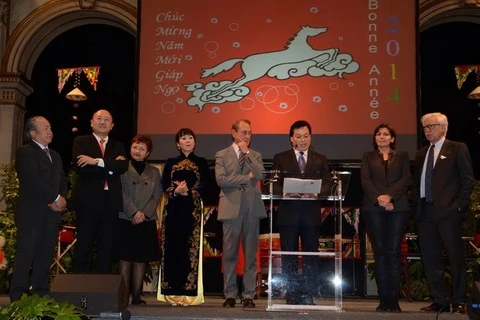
(37, 307)
(475, 210)
(9, 188)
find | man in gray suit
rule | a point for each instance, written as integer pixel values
(237, 171)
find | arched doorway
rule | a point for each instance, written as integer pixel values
(89, 45)
(31, 36)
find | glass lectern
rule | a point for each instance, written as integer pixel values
(286, 288)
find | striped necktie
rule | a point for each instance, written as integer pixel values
(241, 158)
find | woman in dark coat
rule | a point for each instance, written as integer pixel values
(183, 179)
(385, 175)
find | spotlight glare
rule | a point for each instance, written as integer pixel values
(337, 281)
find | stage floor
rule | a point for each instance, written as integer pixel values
(357, 309)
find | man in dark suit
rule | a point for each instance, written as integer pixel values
(237, 171)
(97, 195)
(300, 218)
(43, 187)
(443, 185)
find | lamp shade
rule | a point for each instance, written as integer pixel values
(475, 94)
(76, 95)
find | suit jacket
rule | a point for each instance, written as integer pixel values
(290, 211)
(89, 184)
(233, 182)
(453, 179)
(394, 182)
(140, 192)
(41, 181)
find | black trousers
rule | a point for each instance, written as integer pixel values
(95, 224)
(35, 248)
(304, 283)
(433, 235)
(386, 230)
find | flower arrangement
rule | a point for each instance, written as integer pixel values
(3, 260)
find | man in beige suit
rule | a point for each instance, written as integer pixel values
(237, 171)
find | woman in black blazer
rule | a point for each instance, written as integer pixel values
(385, 175)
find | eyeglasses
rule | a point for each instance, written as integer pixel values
(432, 126)
(139, 148)
(245, 133)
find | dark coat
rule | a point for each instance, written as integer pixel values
(290, 211)
(394, 182)
(90, 181)
(41, 181)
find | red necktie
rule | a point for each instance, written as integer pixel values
(102, 148)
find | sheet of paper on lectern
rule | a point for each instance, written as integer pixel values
(295, 185)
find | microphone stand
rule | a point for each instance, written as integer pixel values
(273, 179)
(337, 198)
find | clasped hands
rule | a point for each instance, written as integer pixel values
(58, 205)
(83, 160)
(384, 200)
(181, 188)
(138, 218)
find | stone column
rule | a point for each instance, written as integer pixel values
(4, 21)
(13, 93)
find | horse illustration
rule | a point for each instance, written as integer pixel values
(297, 59)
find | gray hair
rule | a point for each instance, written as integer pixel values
(439, 117)
(30, 125)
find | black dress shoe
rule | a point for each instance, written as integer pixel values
(306, 300)
(229, 303)
(382, 307)
(248, 304)
(458, 308)
(138, 301)
(291, 298)
(436, 307)
(393, 306)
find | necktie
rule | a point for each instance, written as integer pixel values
(241, 158)
(301, 162)
(102, 148)
(48, 153)
(429, 174)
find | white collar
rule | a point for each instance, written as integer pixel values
(98, 138)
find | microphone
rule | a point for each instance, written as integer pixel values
(124, 315)
(275, 170)
(336, 190)
(286, 157)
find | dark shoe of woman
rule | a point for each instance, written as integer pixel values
(138, 301)
(393, 306)
(382, 307)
